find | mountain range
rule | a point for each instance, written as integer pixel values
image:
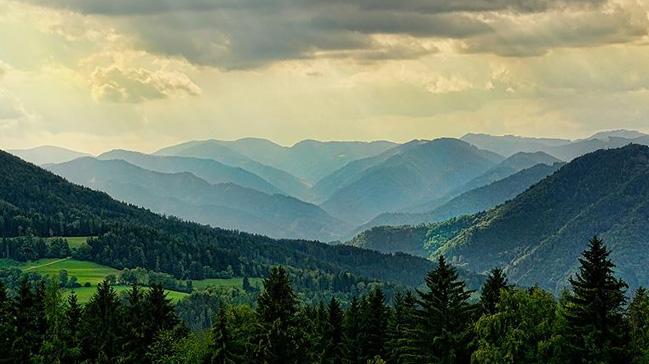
(330, 190)
(185, 195)
(420, 170)
(35, 201)
(470, 202)
(538, 236)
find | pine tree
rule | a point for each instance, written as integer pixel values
(375, 325)
(401, 329)
(280, 336)
(221, 340)
(101, 326)
(496, 281)
(334, 334)
(594, 310)
(351, 334)
(638, 314)
(444, 318)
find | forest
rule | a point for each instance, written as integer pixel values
(594, 320)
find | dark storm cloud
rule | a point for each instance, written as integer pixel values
(141, 7)
(239, 34)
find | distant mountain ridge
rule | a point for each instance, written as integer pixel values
(207, 169)
(419, 170)
(563, 149)
(47, 154)
(310, 160)
(224, 205)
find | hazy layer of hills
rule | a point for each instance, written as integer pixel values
(418, 171)
(282, 191)
(208, 169)
(183, 194)
(504, 169)
(563, 149)
(471, 202)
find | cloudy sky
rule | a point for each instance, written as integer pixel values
(98, 74)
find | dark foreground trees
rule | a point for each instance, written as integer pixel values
(443, 322)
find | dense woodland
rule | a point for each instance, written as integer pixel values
(592, 322)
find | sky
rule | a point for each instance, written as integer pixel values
(103, 74)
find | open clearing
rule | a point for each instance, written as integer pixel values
(93, 273)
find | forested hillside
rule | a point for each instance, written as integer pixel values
(34, 201)
(539, 234)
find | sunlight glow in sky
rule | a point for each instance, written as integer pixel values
(96, 75)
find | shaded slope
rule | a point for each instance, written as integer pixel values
(480, 199)
(214, 149)
(207, 169)
(419, 171)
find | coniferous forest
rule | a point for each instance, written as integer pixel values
(595, 320)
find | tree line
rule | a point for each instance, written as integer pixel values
(443, 322)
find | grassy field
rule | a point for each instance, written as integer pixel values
(86, 272)
(229, 282)
(93, 273)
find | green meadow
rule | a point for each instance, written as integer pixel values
(85, 271)
(93, 273)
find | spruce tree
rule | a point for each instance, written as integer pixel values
(221, 347)
(594, 311)
(375, 325)
(280, 336)
(6, 324)
(401, 329)
(159, 312)
(101, 326)
(496, 281)
(444, 318)
(334, 334)
(134, 339)
(351, 334)
(72, 327)
(53, 348)
(638, 315)
(25, 341)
